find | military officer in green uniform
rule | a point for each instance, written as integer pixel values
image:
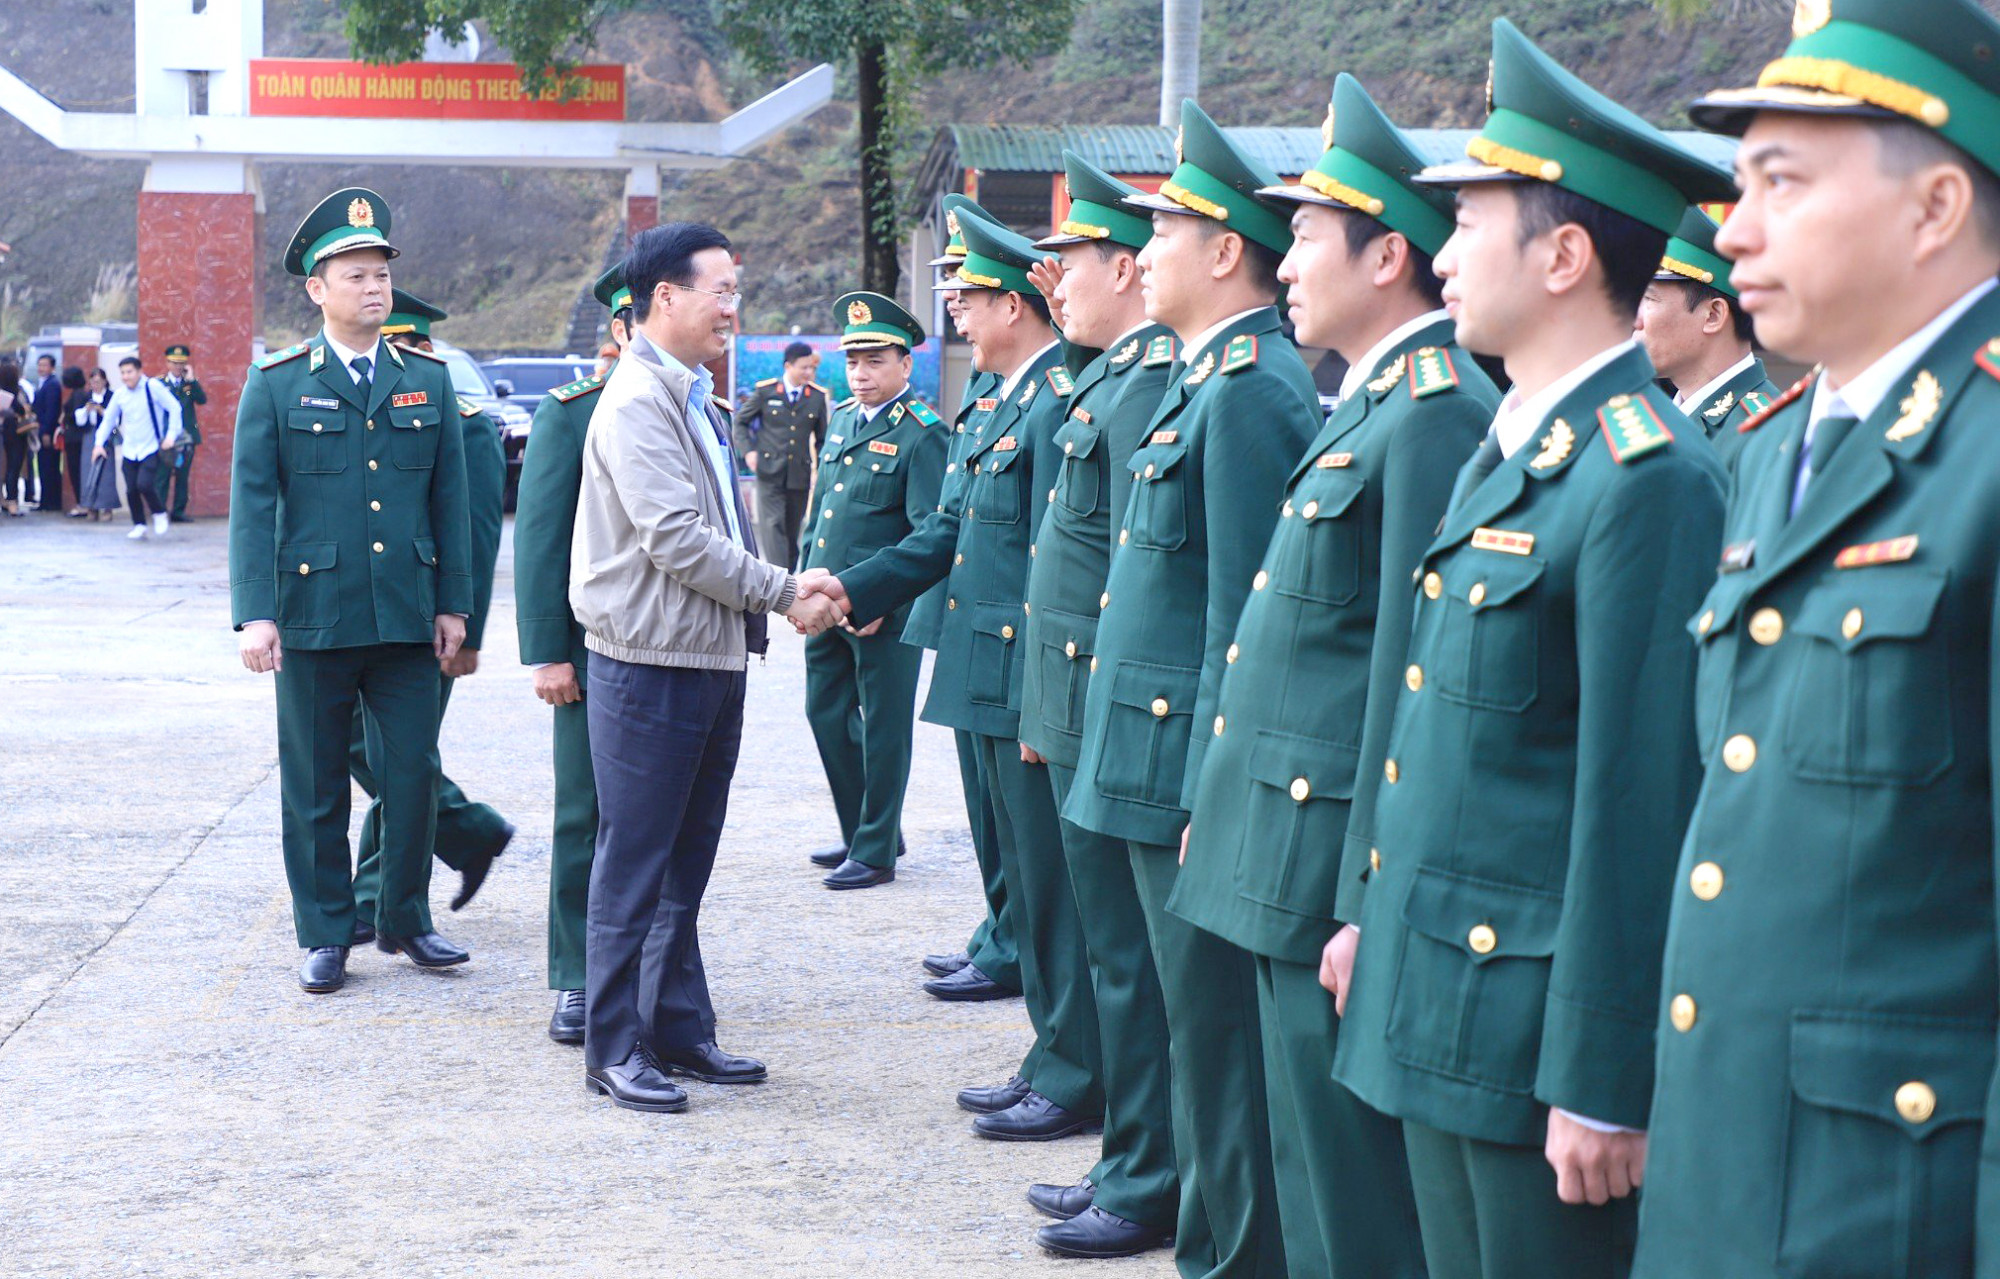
(350, 577)
(552, 642)
(1129, 1203)
(1697, 335)
(1208, 477)
(1310, 682)
(879, 476)
(1826, 1100)
(980, 553)
(779, 428)
(468, 835)
(1541, 759)
(176, 473)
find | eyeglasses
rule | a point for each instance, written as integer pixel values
(730, 301)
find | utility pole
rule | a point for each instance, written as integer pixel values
(1180, 57)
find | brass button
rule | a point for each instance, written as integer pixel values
(822, 541)
(1123, 534)
(318, 427)
(969, 512)
(304, 569)
(371, 423)
(1148, 472)
(1031, 550)
(1706, 881)
(875, 466)
(1069, 650)
(1681, 1013)
(1258, 582)
(1159, 708)
(839, 488)
(1915, 1102)
(1235, 651)
(374, 506)
(1375, 860)
(1052, 495)
(1104, 600)
(1301, 789)
(1433, 585)
(1006, 632)
(1739, 753)
(1069, 446)
(951, 603)
(378, 548)
(975, 468)
(1028, 608)
(958, 559)
(951, 469)
(827, 513)
(1707, 621)
(1390, 771)
(1477, 595)
(1850, 626)
(1482, 939)
(371, 464)
(847, 461)
(1312, 509)
(1767, 626)
(1286, 510)
(1413, 679)
(1093, 666)
(1218, 725)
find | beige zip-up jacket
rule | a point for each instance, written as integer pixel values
(654, 576)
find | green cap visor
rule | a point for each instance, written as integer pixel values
(349, 219)
(610, 289)
(409, 313)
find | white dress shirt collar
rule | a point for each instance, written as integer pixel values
(1361, 370)
(1693, 403)
(1519, 420)
(1013, 382)
(347, 355)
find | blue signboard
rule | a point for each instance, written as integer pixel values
(762, 356)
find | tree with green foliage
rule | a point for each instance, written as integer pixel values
(541, 35)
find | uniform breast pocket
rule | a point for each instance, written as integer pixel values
(413, 438)
(1882, 1146)
(1320, 558)
(1158, 514)
(308, 590)
(1871, 702)
(1080, 484)
(1300, 788)
(1146, 734)
(995, 490)
(1473, 979)
(1488, 649)
(878, 479)
(990, 681)
(1715, 635)
(316, 441)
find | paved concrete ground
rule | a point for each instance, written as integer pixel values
(172, 1104)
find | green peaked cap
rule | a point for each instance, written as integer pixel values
(1215, 179)
(955, 207)
(351, 218)
(611, 289)
(995, 258)
(1935, 62)
(1546, 125)
(1097, 213)
(409, 313)
(869, 320)
(178, 352)
(1370, 166)
(1691, 255)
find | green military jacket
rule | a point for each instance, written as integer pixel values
(783, 433)
(188, 391)
(1115, 396)
(878, 480)
(1208, 480)
(1540, 769)
(485, 505)
(544, 520)
(1309, 685)
(1831, 989)
(348, 520)
(980, 555)
(1722, 415)
(926, 616)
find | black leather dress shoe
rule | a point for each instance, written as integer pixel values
(853, 874)
(968, 985)
(946, 965)
(364, 932)
(1097, 1233)
(711, 1065)
(830, 856)
(1062, 1202)
(426, 950)
(1033, 1118)
(566, 1026)
(324, 969)
(474, 873)
(637, 1083)
(988, 1099)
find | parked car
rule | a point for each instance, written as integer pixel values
(525, 379)
(470, 381)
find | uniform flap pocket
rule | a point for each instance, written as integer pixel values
(884, 462)
(1155, 461)
(1487, 580)
(1484, 919)
(1855, 606)
(1064, 630)
(999, 620)
(427, 551)
(1162, 690)
(1919, 1075)
(317, 421)
(414, 419)
(1718, 612)
(1077, 440)
(308, 557)
(1326, 499)
(1307, 768)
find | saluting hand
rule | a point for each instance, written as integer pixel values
(1045, 276)
(258, 644)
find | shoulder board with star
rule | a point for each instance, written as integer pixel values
(1128, 353)
(924, 413)
(769, 381)
(847, 403)
(1431, 371)
(1241, 353)
(1771, 410)
(1988, 358)
(1632, 428)
(275, 358)
(1159, 351)
(719, 402)
(1754, 402)
(417, 350)
(1060, 381)
(466, 408)
(582, 386)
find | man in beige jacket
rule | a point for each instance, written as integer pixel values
(666, 581)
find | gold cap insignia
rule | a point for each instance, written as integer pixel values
(951, 220)
(858, 312)
(1180, 146)
(1809, 16)
(1326, 128)
(1489, 85)
(360, 212)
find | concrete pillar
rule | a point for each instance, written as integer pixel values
(642, 199)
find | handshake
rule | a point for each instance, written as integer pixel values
(822, 604)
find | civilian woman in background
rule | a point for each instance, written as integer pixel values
(100, 476)
(75, 450)
(15, 427)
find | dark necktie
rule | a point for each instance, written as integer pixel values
(361, 365)
(792, 396)
(1474, 473)
(1826, 437)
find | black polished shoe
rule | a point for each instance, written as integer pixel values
(476, 866)
(711, 1065)
(989, 1099)
(324, 970)
(637, 1083)
(1097, 1233)
(968, 985)
(1033, 1118)
(566, 1026)
(180, 519)
(830, 856)
(426, 950)
(946, 965)
(1062, 1202)
(853, 874)
(364, 932)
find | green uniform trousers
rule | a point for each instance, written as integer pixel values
(1137, 1178)
(861, 700)
(1344, 1194)
(1490, 1211)
(463, 826)
(575, 842)
(1055, 975)
(171, 486)
(993, 946)
(317, 693)
(1222, 1132)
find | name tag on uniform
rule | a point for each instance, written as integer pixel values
(1164, 437)
(1327, 461)
(409, 398)
(835, 439)
(774, 404)
(1737, 556)
(1503, 540)
(1890, 552)
(1005, 444)
(986, 406)
(317, 402)
(883, 447)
